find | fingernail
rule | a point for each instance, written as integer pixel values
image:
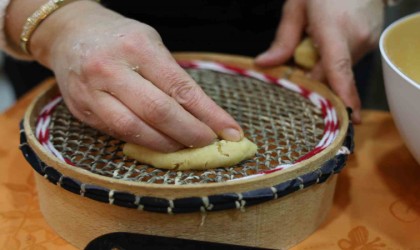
(231, 134)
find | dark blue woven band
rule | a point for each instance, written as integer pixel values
(190, 204)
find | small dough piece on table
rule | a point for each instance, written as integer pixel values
(219, 154)
(306, 55)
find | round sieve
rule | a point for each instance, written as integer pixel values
(287, 122)
(87, 188)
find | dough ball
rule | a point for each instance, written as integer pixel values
(306, 55)
(219, 154)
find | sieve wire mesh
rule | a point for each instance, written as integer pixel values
(283, 124)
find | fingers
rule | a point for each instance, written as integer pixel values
(164, 104)
(317, 72)
(288, 35)
(337, 65)
(161, 112)
(114, 118)
(168, 76)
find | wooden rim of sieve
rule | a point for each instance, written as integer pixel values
(175, 191)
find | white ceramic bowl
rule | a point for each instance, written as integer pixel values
(403, 95)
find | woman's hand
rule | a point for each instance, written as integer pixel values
(116, 75)
(343, 31)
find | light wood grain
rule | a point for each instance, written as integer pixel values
(277, 224)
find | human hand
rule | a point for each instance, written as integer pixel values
(343, 32)
(116, 75)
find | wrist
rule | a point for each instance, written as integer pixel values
(16, 14)
(58, 27)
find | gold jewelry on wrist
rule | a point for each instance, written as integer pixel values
(37, 18)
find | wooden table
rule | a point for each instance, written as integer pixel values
(376, 206)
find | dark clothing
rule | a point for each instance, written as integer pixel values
(243, 27)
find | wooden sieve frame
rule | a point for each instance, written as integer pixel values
(178, 191)
(53, 198)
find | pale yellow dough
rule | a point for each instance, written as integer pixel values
(306, 55)
(219, 154)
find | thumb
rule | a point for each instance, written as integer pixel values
(288, 35)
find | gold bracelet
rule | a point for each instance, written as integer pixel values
(37, 18)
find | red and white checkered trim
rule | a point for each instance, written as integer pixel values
(42, 131)
(329, 114)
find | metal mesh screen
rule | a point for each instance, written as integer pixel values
(283, 124)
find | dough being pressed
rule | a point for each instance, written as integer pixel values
(306, 55)
(219, 154)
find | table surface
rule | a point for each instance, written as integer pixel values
(376, 204)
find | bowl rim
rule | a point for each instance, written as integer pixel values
(385, 55)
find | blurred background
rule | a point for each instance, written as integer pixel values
(372, 87)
